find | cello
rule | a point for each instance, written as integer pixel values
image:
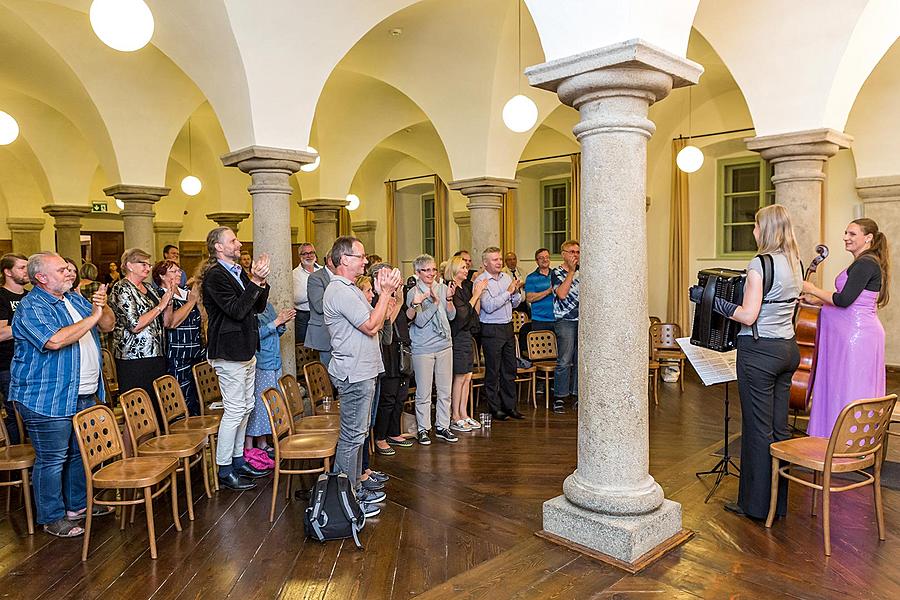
(806, 322)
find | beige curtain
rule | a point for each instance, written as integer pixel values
(678, 304)
(390, 191)
(508, 222)
(440, 220)
(575, 204)
(344, 225)
(309, 230)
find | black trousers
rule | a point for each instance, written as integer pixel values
(764, 370)
(140, 373)
(301, 321)
(499, 344)
(390, 405)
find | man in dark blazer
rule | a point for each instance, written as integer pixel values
(317, 336)
(232, 298)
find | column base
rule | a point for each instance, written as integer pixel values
(630, 543)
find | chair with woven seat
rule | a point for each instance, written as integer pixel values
(294, 446)
(208, 391)
(146, 439)
(664, 348)
(856, 443)
(318, 386)
(99, 441)
(17, 458)
(290, 390)
(542, 353)
(176, 419)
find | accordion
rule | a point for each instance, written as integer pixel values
(712, 330)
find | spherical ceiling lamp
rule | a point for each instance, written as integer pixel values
(124, 25)
(191, 186)
(689, 159)
(310, 167)
(352, 201)
(9, 129)
(520, 113)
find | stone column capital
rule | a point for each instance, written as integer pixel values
(147, 193)
(488, 190)
(323, 204)
(885, 188)
(364, 226)
(264, 158)
(66, 215)
(16, 224)
(172, 227)
(232, 220)
(462, 218)
(807, 150)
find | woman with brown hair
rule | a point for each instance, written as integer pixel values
(850, 361)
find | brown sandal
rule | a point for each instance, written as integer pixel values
(63, 528)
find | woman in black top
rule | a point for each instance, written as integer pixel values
(467, 300)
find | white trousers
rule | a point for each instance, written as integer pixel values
(236, 380)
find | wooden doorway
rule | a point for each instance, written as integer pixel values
(106, 247)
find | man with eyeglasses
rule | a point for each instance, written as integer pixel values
(566, 282)
(172, 253)
(307, 266)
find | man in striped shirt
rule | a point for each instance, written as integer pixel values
(56, 373)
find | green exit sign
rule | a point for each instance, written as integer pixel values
(99, 207)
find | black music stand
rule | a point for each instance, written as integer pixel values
(715, 368)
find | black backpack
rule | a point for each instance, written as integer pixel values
(333, 512)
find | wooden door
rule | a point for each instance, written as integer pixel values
(106, 247)
(192, 254)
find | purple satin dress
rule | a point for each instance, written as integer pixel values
(850, 364)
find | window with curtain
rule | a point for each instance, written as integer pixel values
(428, 224)
(745, 186)
(555, 199)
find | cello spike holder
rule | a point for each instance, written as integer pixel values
(721, 470)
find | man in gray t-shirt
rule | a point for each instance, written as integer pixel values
(355, 353)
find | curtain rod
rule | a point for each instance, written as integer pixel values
(409, 178)
(519, 162)
(702, 135)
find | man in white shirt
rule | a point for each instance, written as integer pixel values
(307, 266)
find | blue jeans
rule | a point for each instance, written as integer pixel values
(566, 375)
(58, 478)
(356, 408)
(12, 428)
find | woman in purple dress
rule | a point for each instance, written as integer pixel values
(850, 363)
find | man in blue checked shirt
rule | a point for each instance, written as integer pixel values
(56, 373)
(566, 282)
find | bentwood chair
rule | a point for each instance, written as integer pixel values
(518, 319)
(110, 376)
(16, 459)
(188, 447)
(207, 383)
(856, 443)
(318, 386)
(305, 355)
(99, 441)
(664, 348)
(542, 353)
(477, 381)
(176, 419)
(325, 423)
(294, 446)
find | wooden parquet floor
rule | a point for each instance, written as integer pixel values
(459, 524)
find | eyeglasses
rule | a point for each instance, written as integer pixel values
(309, 254)
(356, 255)
(431, 270)
(143, 262)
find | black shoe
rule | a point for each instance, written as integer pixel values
(302, 495)
(371, 485)
(233, 482)
(735, 508)
(499, 416)
(270, 452)
(516, 415)
(559, 407)
(248, 471)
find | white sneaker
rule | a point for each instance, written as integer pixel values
(460, 425)
(472, 423)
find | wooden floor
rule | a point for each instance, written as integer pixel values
(459, 524)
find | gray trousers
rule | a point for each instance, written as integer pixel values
(356, 410)
(436, 368)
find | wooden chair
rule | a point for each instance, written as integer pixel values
(290, 391)
(13, 458)
(856, 443)
(305, 355)
(100, 441)
(528, 376)
(188, 447)
(294, 446)
(664, 348)
(542, 353)
(110, 376)
(654, 320)
(208, 390)
(518, 319)
(653, 375)
(318, 386)
(176, 419)
(477, 381)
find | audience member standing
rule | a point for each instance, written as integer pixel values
(232, 299)
(317, 336)
(497, 338)
(511, 266)
(430, 311)
(307, 266)
(467, 302)
(90, 283)
(13, 279)
(173, 254)
(56, 373)
(539, 294)
(353, 325)
(566, 282)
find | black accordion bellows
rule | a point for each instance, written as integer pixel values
(712, 330)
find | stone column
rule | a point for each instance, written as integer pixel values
(485, 196)
(799, 162)
(365, 231)
(463, 222)
(67, 220)
(270, 170)
(611, 504)
(167, 232)
(881, 200)
(138, 213)
(325, 217)
(26, 234)
(232, 220)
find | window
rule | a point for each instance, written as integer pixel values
(745, 186)
(428, 223)
(555, 213)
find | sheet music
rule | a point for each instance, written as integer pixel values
(712, 367)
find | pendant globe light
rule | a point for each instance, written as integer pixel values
(191, 185)
(310, 167)
(520, 113)
(9, 129)
(123, 25)
(690, 158)
(352, 201)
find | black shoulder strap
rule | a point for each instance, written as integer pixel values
(768, 275)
